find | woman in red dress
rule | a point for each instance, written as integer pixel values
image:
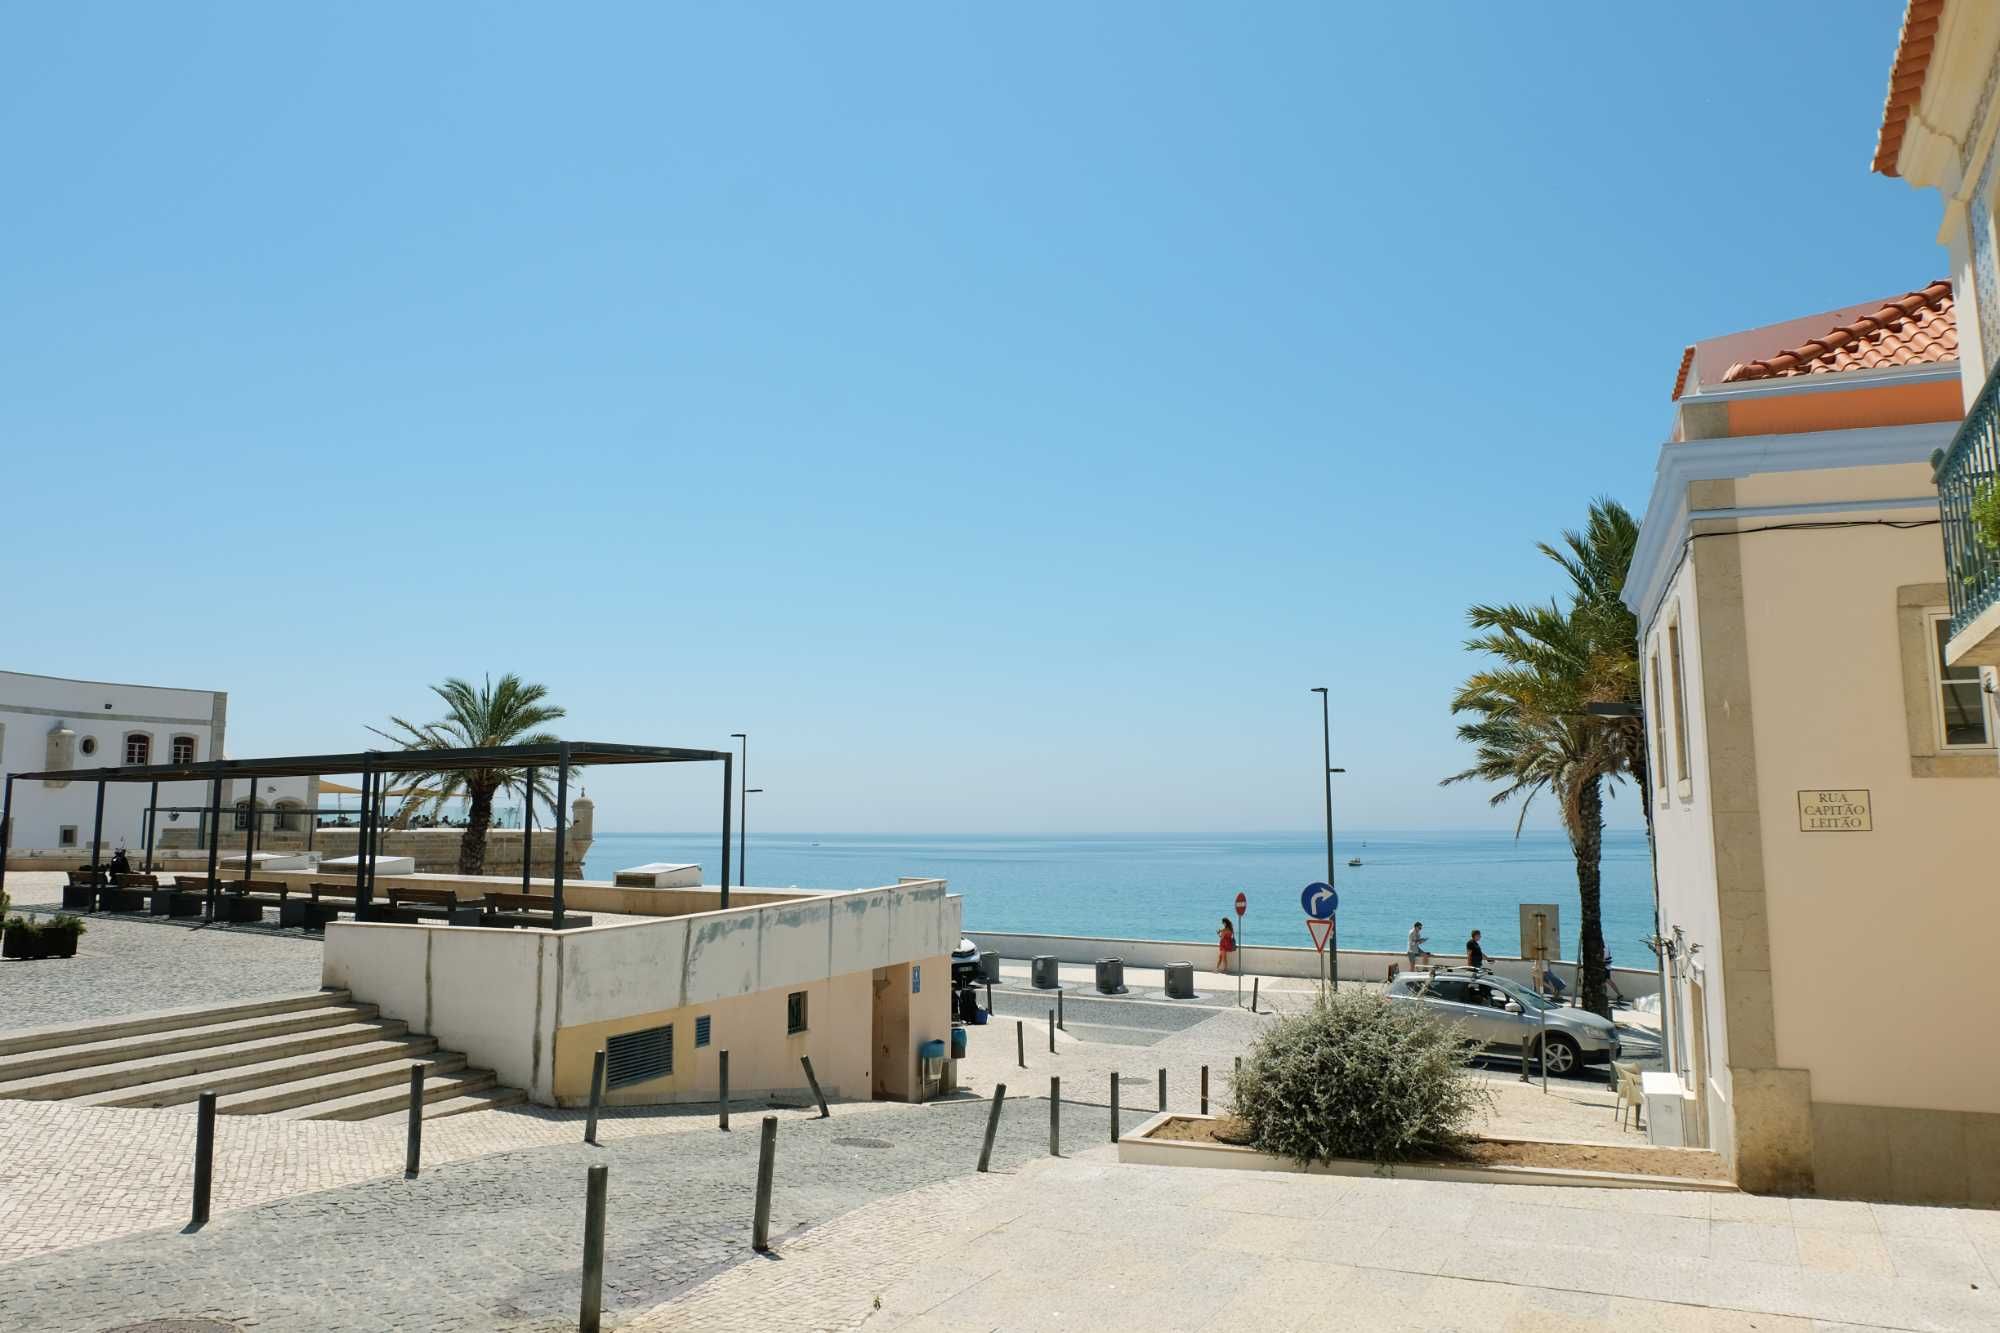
(1225, 945)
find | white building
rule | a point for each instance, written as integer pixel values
(49, 722)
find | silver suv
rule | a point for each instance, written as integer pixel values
(1501, 1014)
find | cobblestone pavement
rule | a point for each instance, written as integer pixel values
(495, 1242)
(127, 965)
(1088, 1244)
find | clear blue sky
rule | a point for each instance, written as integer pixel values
(1003, 413)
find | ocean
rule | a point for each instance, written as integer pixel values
(1178, 886)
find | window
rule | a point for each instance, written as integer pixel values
(1682, 768)
(1451, 992)
(183, 750)
(286, 819)
(638, 1057)
(88, 745)
(243, 809)
(701, 1030)
(138, 748)
(795, 1013)
(1659, 739)
(1961, 704)
(66, 837)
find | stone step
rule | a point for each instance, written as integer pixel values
(325, 1051)
(386, 1101)
(491, 1099)
(162, 1020)
(331, 1085)
(146, 1045)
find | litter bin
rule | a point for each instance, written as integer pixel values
(957, 1043)
(1180, 981)
(1042, 972)
(989, 965)
(1111, 975)
(930, 1069)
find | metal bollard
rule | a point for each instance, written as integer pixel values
(1021, 1043)
(813, 1079)
(1055, 1116)
(992, 1125)
(1052, 1032)
(1114, 1107)
(724, 1113)
(1204, 1089)
(767, 1156)
(413, 1149)
(989, 997)
(589, 1316)
(204, 1156)
(1163, 1089)
(1059, 1012)
(596, 1095)
(1255, 982)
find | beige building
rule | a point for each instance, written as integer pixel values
(1825, 782)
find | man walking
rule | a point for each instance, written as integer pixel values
(1417, 942)
(1475, 956)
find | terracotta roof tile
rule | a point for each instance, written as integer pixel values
(1906, 79)
(1681, 376)
(1916, 329)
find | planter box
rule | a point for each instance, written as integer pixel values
(1134, 1146)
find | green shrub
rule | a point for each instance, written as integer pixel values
(1356, 1076)
(59, 935)
(1985, 514)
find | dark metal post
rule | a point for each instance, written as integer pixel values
(1021, 1043)
(1163, 1089)
(1055, 1115)
(6, 830)
(743, 817)
(362, 897)
(989, 997)
(1326, 752)
(214, 846)
(813, 1079)
(596, 1095)
(1052, 1032)
(204, 1155)
(97, 836)
(152, 821)
(725, 1089)
(1204, 1089)
(992, 1126)
(413, 1148)
(1114, 1106)
(767, 1157)
(589, 1317)
(728, 778)
(250, 837)
(528, 830)
(1256, 983)
(1059, 1012)
(562, 823)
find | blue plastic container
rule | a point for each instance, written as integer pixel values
(957, 1042)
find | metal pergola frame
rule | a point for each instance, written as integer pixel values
(375, 768)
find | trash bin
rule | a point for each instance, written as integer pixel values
(1180, 981)
(1042, 972)
(930, 1069)
(958, 1043)
(1111, 975)
(989, 965)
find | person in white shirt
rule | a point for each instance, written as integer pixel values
(1417, 942)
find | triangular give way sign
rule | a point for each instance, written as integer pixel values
(1322, 929)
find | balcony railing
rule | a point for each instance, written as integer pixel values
(1965, 477)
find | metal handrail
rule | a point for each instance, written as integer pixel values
(1964, 472)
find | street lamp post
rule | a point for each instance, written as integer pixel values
(1326, 758)
(743, 818)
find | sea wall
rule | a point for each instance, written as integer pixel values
(1267, 960)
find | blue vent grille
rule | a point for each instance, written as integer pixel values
(701, 1030)
(636, 1057)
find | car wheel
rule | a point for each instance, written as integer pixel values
(1564, 1056)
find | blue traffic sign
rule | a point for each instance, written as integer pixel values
(1320, 901)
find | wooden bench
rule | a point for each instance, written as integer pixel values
(80, 891)
(410, 906)
(125, 893)
(186, 896)
(526, 909)
(315, 905)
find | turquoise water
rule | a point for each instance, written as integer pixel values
(1177, 886)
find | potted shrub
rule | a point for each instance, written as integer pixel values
(59, 936)
(21, 940)
(1358, 1077)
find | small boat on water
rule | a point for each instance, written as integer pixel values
(1354, 860)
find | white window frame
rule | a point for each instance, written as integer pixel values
(1683, 750)
(1934, 663)
(174, 745)
(146, 738)
(1656, 730)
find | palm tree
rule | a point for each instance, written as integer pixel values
(506, 713)
(1533, 731)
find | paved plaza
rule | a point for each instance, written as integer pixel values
(880, 1219)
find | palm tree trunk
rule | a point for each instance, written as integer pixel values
(1587, 839)
(472, 843)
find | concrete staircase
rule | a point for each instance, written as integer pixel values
(304, 1057)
